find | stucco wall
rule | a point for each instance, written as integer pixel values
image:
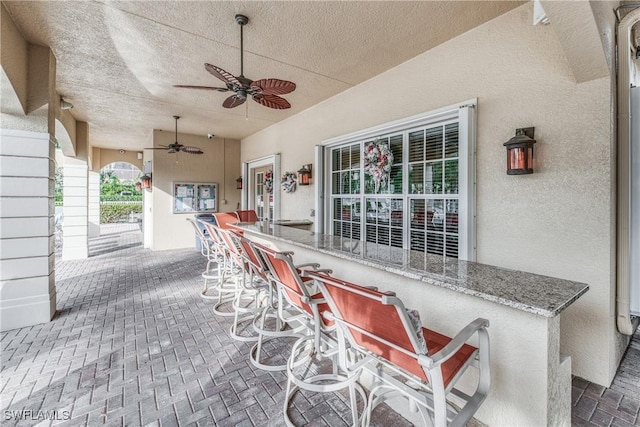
(113, 156)
(14, 59)
(555, 222)
(220, 163)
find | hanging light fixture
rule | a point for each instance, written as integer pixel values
(520, 152)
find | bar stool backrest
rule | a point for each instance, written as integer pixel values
(231, 242)
(223, 219)
(382, 317)
(247, 215)
(254, 258)
(294, 288)
(212, 230)
(204, 241)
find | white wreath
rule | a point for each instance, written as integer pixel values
(289, 182)
(377, 161)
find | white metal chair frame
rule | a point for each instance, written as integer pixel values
(437, 400)
(318, 342)
(273, 309)
(207, 249)
(251, 291)
(225, 279)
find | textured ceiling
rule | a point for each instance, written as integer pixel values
(117, 62)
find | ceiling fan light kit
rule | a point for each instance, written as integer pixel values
(265, 91)
(176, 147)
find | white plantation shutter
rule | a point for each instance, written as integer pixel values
(427, 202)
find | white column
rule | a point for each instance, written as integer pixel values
(94, 204)
(75, 196)
(27, 241)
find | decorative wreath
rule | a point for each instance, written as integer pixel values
(268, 181)
(377, 161)
(289, 182)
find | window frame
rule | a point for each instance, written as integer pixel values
(464, 114)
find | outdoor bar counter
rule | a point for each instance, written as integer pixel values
(530, 379)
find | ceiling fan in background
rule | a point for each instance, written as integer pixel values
(264, 92)
(176, 147)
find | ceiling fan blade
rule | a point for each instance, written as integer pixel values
(274, 86)
(272, 101)
(191, 150)
(162, 147)
(222, 75)
(233, 101)
(219, 89)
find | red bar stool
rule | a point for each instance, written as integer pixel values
(317, 344)
(247, 215)
(251, 291)
(208, 250)
(270, 324)
(405, 358)
(224, 282)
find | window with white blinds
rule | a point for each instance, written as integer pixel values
(418, 196)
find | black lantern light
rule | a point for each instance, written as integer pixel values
(145, 180)
(520, 152)
(304, 175)
(239, 183)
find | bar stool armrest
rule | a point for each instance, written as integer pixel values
(455, 344)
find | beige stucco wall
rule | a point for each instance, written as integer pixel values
(111, 156)
(14, 60)
(555, 222)
(220, 164)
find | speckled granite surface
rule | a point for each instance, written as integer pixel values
(533, 293)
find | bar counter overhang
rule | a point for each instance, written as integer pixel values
(530, 379)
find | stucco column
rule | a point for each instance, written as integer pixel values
(75, 195)
(27, 241)
(94, 204)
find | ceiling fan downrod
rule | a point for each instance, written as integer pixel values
(176, 117)
(242, 21)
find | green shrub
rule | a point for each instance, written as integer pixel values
(111, 212)
(119, 198)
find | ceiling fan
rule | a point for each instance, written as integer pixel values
(264, 91)
(176, 147)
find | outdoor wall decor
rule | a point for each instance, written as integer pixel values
(195, 197)
(378, 159)
(289, 182)
(268, 181)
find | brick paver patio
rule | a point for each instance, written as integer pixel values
(133, 344)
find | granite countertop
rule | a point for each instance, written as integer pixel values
(293, 222)
(542, 295)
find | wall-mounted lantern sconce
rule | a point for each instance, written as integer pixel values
(520, 152)
(304, 175)
(145, 180)
(239, 183)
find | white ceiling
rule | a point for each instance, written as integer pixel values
(117, 61)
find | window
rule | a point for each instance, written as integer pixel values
(423, 200)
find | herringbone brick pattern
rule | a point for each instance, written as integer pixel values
(618, 406)
(133, 344)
